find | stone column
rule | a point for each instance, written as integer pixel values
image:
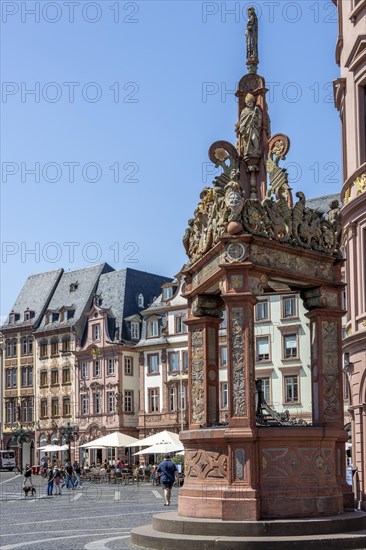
(326, 376)
(240, 344)
(203, 345)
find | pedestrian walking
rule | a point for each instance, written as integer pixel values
(50, 479)
(77, 470)
(27, 481)
(57, 480)
(69, 470)
(167, 471)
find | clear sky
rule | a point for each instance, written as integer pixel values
(105, 159)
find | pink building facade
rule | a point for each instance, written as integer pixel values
(350, 100)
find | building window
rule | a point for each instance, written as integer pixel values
(111, 366)
(11, 378)
(97, 403)
(345, 387)
(167, 293)
(73, 287)
(10, 412)
(154, 400)
(181, 397)
(24, 346)
(128, 366)
(289, 307)
(66, 409)
(173, 361)
(223, 356)
(44, 408)
(224, 395)
(153, 362)
(43, 378)
(178, 324)
(135, 330)
(8, 348)
(128, 401)
(152, 328)
(84, 404)
(66, 375)
(172, 398)
(140, 300)
(111, 400)
(55, 317)
(66, 345)
(262, 348)
(54, 377)
(224, 320)
(96, 332)
(291, 389)
(43, 350)
(266, 391)
(262, 311)
(185, 361)
(84, 370)
(27, 410)
(55, 409)
(54, 347)
(290, 348)
(14, 347)
(27, 376)
(96, 368)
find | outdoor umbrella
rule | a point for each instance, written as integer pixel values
(115, 439)
(161, 448)
(162, 437)
(53, 448)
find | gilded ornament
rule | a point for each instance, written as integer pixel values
(360, 184)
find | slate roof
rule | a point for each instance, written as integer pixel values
(35, 296)
(321, 204)
(79, 300)
(119, 291)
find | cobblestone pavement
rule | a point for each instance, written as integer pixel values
(98, 517)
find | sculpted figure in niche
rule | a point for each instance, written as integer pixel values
(252, 36)
(250, 128)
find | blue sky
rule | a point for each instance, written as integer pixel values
(128, 97)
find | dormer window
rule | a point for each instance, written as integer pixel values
(152, 328)
(55, 317)
(167, 293)
(74, 286)
(27, 315)
(68, 314)
(140, 300)
(12, 318)
(135, 330)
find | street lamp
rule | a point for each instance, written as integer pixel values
(21, 436)
(69, 433)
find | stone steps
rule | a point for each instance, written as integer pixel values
(172, 532)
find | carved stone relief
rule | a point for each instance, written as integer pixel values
(331, 393)
(292, 464)
(206, 464)
(239, 406)
(198, 405)
(291, 262)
